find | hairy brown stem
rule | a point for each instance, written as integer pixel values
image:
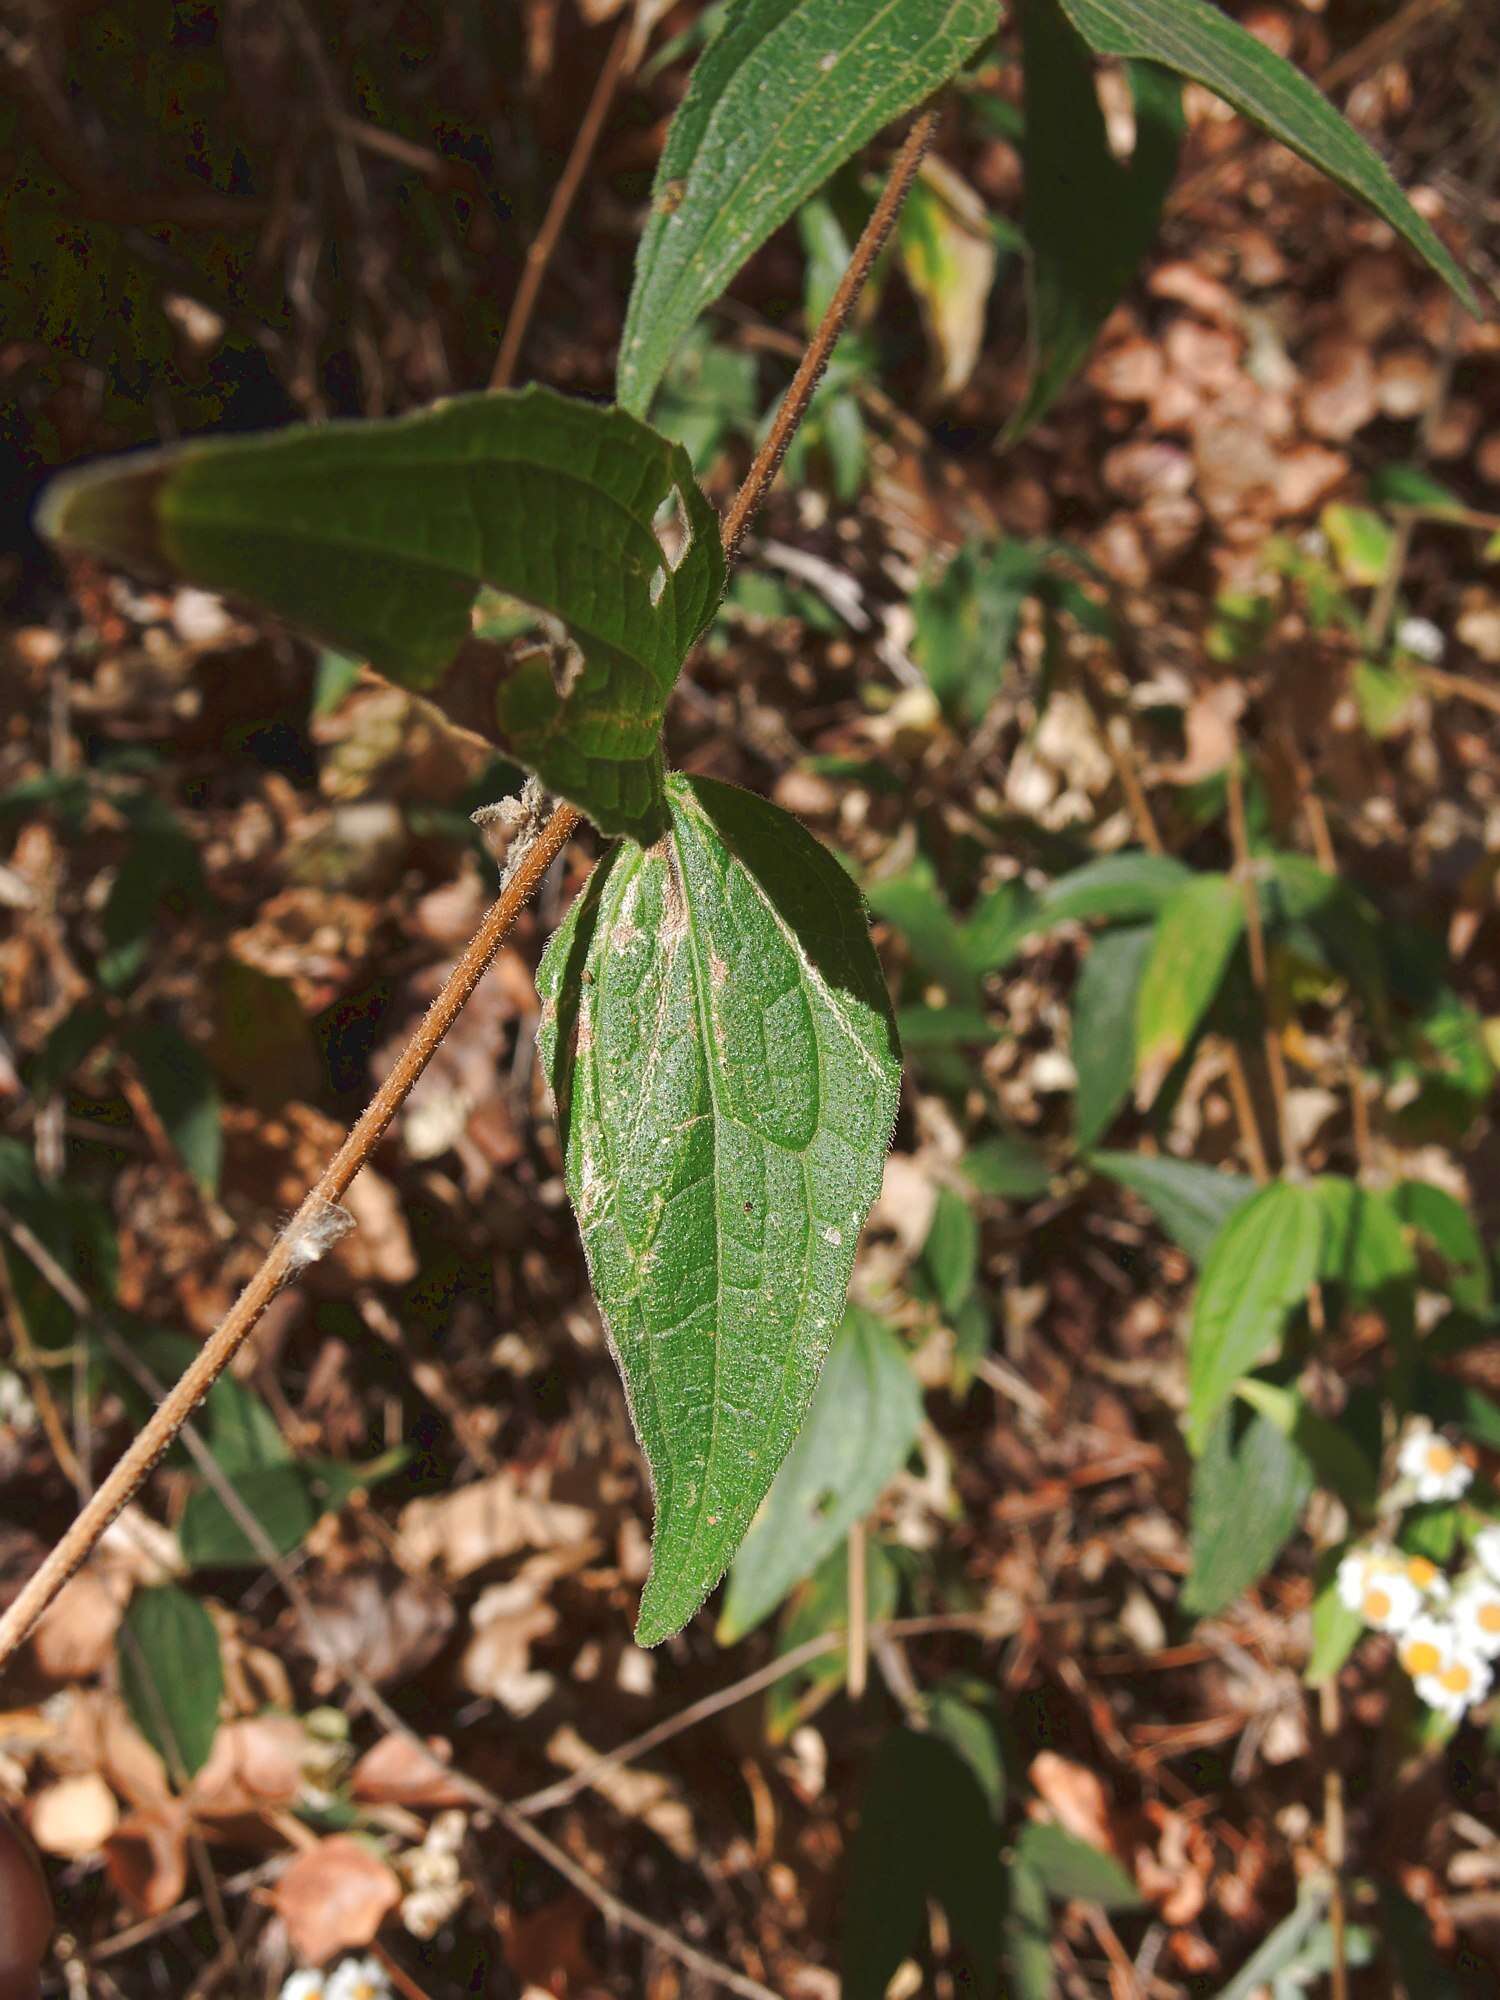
(316, 1223)
(539, 256)
(319, 1220)
(820, 347)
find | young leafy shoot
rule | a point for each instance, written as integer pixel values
(724, 1063)
(375, 538)
(1199, 42)
(787, 92)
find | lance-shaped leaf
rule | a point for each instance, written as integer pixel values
(1089, 217)
(787, 91)
(375, 538)
(1199, 42)
(724, 1064)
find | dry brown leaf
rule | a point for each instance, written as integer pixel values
(462, 1532)
(497, 1660)
(335, 1897)
(255, 1764)
(390, 1627)
(1340, 394)
(642, 1795)
(77, 1636)
(398, 1771)
(74, 1817)
(146, 1858)
(1076, 1797)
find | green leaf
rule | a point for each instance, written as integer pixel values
(1331, 1450)
(1090, 218)
(1196, 934)
(1257, 1273)
(1249, 1489)
(787, 91)
(966, 619)
(1119, 888)
(1362, 542)
(67, 1047)
(944, 1027)
(1336, 1630)
(278, 1498)
(1103, 1038)
(950, 1256)
(374, 537)
(1199, 42)
(723, 1059)
(1006, 1166)
(171, 1675)
(1284, 1949)
(1364, 1245)
(1449, 1227)
(822, 1605)
(183, 1094)
(1028, 1935)
(914, 903)
(859, 1433)
(1345, 925)
(962, 1712)
(1072, 1871)
(925, 1833)
(1191, 1202)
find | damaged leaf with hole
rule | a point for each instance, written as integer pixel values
(376, 537)
(724, 1063)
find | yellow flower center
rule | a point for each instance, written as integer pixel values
(1441, 1457)
(1489, 1616)
(1456, 1679)
(1377, 1603)
(1421, 1657)
(1422, 1572)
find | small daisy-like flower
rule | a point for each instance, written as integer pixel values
(1487, 1551)
(1428, 1578)
(304, 1986)
(1449, 1675)
(1377, 1585)
(358, 1979)
(1476, 1619)
(1433, 1466)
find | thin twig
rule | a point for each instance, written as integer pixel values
(315, 1224)
(1244, 869)
(539, 255)
(983, 1625)
(857, 1672)
(810, 370)
(355, 1679)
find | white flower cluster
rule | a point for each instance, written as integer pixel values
(434, 1875)
(350, 1979)
(1433, 1468)
(1447, 1630)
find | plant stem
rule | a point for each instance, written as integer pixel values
(317, 1223)
(820, 347)
(539, 256)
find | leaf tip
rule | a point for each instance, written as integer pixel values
(111, 512)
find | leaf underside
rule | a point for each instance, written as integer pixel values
(375, 537)
(786, 92)
(723, 1059)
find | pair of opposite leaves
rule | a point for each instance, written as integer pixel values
(715, 1026)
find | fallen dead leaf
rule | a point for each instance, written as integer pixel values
(146, 1858)
(398, 1771)
(335, 1897)
(462, 1532)
(74, 1817)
